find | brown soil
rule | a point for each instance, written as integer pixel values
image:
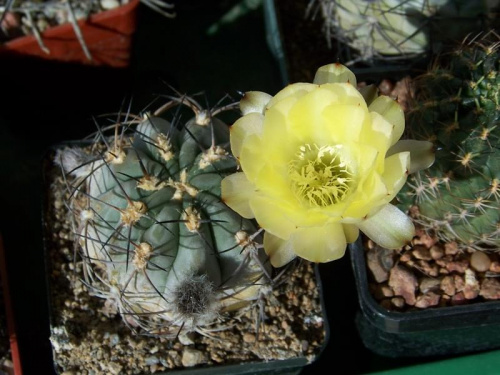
(89, 337)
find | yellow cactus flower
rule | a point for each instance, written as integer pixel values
(319, 164)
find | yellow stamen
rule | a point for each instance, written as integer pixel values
(320, 176)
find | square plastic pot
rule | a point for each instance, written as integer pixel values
(108, 36)
(270, 366)
(431, 332)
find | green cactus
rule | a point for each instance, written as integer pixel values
(457, 106)
(394, 29)
(155, 237)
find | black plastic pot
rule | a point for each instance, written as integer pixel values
(431, 332)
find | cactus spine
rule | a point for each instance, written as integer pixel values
(457, 107)
(155, 237)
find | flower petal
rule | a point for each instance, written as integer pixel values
(396, 172)
(392, 112)
(346, 93)
(306, 118)
(296, 90)
(251, 158)
(280, 251)
(377, 135)
(319, 244)
(271, 216)
(371, 194)
(275, 184)
(276, 127)
(351, 232)
(334, 73)
(422, 154)
(254, 101)
(334, 112)
(389, 227)
(236, 192)
(242, 128)
(344, 122)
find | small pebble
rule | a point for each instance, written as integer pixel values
(405, 257)
(192, 357)
(451, 248)
(437, 252)
(152, 360)
(187, 338)
(249, 337)
(458, 266)
(404, 283)
(114, 339)
(459, 282)
(380, 261)
(480, 261)
(427, 269)
(114, 368)
(386, 87)
(471, 288)
(421, 252)
(490, 289)
(429, 284)
(427, 300)
(495, 267)
(304, 345)
(448, 285)
(398, 302)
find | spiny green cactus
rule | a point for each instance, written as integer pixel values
(395, 29)
(457, 106)
(155, 237)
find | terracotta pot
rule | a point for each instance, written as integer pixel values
(9, 314)
(108, 36)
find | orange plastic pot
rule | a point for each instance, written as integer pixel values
(108, 36)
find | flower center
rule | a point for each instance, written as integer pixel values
(320, 175)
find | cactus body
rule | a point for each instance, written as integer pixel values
(155, 236)
(393, 29)
(457, 107)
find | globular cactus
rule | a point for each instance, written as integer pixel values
(457, 106)
(394, 30)
(155, 237)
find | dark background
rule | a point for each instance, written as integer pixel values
(43, 103)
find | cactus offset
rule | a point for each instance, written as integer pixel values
(457, 107)
(154, 234)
